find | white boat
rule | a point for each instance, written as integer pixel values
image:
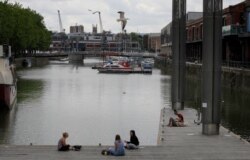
(146, 67)
(115, 68)
(8, 90)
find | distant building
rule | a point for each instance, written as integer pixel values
(166, 36)
(91, 42)
(126, 44)
(77, 29)
(94, 29)
(145, 42)
(166, 41)
(194, 40)
(59, 42)
(154, 42)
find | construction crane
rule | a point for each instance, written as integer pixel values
(100, 19)
(60, 22)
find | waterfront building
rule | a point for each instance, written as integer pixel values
(154, 42)
(81, 41)
(59, 42)
(166, 41)
(166, 36)
(235, 36)
(194, 31)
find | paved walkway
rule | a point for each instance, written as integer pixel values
(189, 143)
(183, 143)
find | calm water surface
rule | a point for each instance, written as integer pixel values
(235, 105)
(92, 107)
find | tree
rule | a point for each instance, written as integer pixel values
(22, 28)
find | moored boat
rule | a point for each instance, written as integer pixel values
(146, 67)
(115, 68)
(8, 90)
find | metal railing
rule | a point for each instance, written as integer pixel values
(236, 64)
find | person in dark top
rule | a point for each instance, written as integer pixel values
(178, 122)
(134, 142)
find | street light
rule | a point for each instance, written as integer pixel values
(100, 19)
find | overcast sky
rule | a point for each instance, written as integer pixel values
(145, 16)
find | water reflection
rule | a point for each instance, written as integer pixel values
(166, 91)
(92, 107)
(236, 111)
(29, 89)
(235, 108)
(193, 92)
(7, 120)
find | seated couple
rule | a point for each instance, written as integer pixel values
(119, 148)
(178, 121)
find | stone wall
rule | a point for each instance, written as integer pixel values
(35, 61)
(234, 78)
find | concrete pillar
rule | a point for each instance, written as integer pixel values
(212, 50)
(179, 52)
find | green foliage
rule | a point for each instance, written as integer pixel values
(22, 28)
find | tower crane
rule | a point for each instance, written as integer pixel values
(60, 22)
(100, 18)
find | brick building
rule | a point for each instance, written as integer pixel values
(166, 41)
(235, 36)
(194, 40)
(154, 42)
(166, 36)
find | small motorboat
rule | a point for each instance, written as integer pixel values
(114, 68)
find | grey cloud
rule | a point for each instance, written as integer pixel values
(144, 15)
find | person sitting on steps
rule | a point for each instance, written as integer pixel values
(134, 142)
(118, 149)
(62, 145)
(178, 122)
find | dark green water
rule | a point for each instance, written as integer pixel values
(235, 106)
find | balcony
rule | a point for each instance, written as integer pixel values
(233, 29)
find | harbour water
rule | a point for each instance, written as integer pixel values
(94, 107)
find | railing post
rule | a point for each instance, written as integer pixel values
(179, 52)
(211, 69)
